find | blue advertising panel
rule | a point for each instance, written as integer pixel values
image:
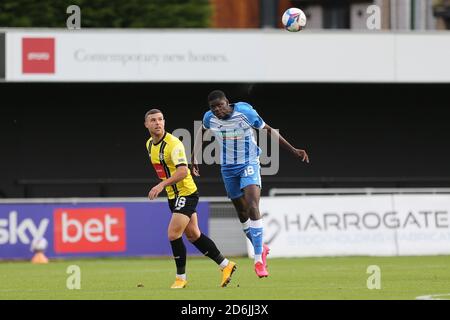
(91, 229)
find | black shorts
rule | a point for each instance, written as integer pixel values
(186, 205)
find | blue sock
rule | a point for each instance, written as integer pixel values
(257, 236)
(246, 229)
(248, 234)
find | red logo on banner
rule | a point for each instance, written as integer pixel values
(38, 55)
(89, 230)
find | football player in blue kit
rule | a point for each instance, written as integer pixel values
(233, 124)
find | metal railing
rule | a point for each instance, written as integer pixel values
(327, 185)
(101, 184)
(353, 191)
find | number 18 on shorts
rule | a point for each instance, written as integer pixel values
(186, 205)
(237, 179)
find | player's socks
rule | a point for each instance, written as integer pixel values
(181, 276)
(179, 283)
(224, 263)
(246, 229)
(256, 230)
(206, 246)
(179, 254)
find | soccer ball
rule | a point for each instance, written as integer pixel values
(39, 244)
(294, 19)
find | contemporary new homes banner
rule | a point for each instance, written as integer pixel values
(226, 56)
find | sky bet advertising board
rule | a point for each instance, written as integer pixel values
(90, 229)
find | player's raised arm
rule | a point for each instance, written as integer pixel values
(300, 153)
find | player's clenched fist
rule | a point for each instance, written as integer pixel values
(195, 170)
(302, 155)
(155, 191)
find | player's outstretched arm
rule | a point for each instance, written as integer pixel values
(300, 153)
(180, 174)
(198, 145)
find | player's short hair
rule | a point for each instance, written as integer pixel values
(216, 94)
(152, 111)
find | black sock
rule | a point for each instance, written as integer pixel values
(179, 254)
(206, 246)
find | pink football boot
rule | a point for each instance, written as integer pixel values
(261, 270)
(265, 252)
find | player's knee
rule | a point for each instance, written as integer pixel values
(174, 234)
(192, 232)
(192, 236)
(253, 211)
(243, 215)
(253, 207)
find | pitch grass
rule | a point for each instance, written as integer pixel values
(301, 278)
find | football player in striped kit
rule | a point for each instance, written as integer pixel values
(169, 159)
(233, 125)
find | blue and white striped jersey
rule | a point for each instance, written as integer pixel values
(235, 135)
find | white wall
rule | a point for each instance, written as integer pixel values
(377, 225)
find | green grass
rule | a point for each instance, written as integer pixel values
(301, 278)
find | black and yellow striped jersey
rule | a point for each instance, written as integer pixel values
(166, 156)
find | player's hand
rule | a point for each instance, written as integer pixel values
(156, 190)
(302, 155)
(195, 170)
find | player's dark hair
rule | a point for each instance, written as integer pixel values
(152, 111)
(216, 94)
